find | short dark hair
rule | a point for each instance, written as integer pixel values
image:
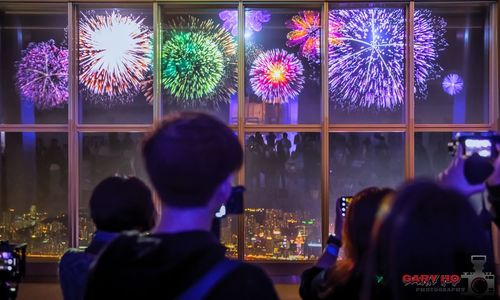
(120, 203)
(188, 155)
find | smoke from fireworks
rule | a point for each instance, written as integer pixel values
(453, 84)
(42, 75)
(429, 40)
(198, 61)
(253, 20)
(114, 55)
(277, 76)
(306, 32)
(366, 64)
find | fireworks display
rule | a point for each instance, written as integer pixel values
(453, 84)
(42, 75)
(198, 61)
(366, 69)
(366, 61)
(115, 55)
(429, 40)
(253, 20)
(277, 76)
(306, 32)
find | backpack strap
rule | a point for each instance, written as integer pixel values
(200, 289)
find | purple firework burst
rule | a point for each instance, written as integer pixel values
(366, 64)
(276, 76)
(253, 20)
(42, 75)
(429, 40)
(453, 84)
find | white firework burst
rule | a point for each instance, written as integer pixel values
(115, 54)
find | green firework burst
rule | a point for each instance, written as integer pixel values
(198, 61)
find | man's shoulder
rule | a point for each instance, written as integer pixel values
(249, 274)
(74, 257)
(248, 281)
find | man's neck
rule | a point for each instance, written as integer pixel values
(175, 220)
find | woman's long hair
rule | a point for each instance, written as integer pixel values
(356, 236)
(429, 230)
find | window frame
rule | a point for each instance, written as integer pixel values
(74, 126)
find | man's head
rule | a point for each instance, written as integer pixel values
(190, 157)
(119, 204)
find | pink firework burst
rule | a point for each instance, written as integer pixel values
(277, 76)
(42, 75)
(306, 32)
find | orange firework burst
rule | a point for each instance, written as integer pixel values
(334, 34)
(306, 32)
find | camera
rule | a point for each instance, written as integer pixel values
(12, 268)
(480, 150)
(234, 206)
(479, 283)
(340, 213)
(482, 144)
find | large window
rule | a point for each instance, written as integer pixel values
(282, 65)
(34, 190)
(366, 64)
(115, 65)
(326, 98)
(34, 63)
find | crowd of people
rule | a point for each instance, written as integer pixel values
(280, 166)
(421, 241)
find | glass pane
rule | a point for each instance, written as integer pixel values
(199, 61)
(103, 155)
(283, 198)
(34, 191)
(431, 153)
(361, 160)
(229, 235)
(115, 65)
(451, 64)
(282, 66)
(34, 65)
(366, 64)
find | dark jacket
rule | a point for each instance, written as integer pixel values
(313, 286)
(75, 264)
(145, 266)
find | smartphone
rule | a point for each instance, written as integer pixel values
(234, 205)
(344, 202)
(482, 146)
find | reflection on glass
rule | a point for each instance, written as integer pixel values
(282, 66)
(103, 155)
(451, 64)
(282, 215)
(361, 160)
(431, 153)
(33, 191)
(366, 65)
(198, 61)
(115, 65)
(35, 61)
